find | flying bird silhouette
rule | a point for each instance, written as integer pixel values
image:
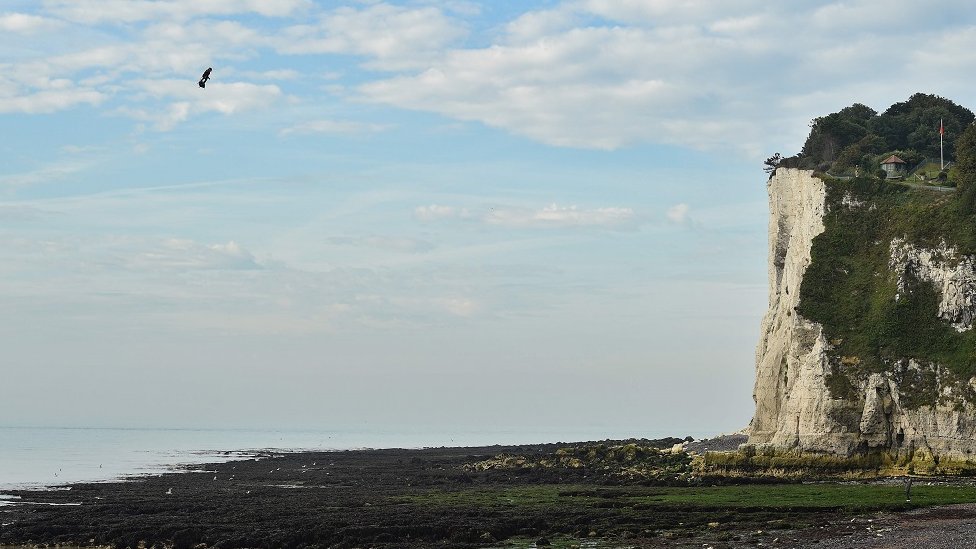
(205, 77)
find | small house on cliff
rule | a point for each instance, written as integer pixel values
(893, 166)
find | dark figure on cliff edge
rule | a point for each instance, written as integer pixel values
(205, 77)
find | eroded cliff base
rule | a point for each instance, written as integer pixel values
(771, 463)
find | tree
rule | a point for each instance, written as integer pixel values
(840, 141)
(772, 163)
(914, 124)
(963, 172)
(831, 134)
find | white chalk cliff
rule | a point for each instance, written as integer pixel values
(794, 358)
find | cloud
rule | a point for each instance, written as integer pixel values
(52, 100)
(559, 216)
(597, 74)
(276, 75)
(433, 306)
(552, 215)
(678, 214)
(47, 174)
(392, 37)
(459, 306)
(130, 11)
(530, 26)
(25, 23)
(225, 98)
(599, 88)
(739, 25)
(606, 74)
(21, 213)
(334, 126)
(97, 74)
(184, 254)
(387, 243)
(434, 212)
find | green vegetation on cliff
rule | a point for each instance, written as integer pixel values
(859, 137)
(850, 287)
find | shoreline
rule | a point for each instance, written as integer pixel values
(483, 496)
(56, 456)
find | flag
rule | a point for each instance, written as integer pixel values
(941, 129)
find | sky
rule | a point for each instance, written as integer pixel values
(454, 215)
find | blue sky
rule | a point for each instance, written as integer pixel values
(449, 215)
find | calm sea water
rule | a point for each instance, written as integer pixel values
(46, 457)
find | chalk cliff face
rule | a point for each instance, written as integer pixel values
(795, 359)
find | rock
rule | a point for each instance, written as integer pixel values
(795, 410)
(953, 275)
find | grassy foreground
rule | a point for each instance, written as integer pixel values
(834, 496)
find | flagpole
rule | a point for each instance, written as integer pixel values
(941, 158)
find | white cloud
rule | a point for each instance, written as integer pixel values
(277, 75)
(20, 213)
(25, 23)
(560, 216)
(60, 95)
(552, 215)
(590, 87)
(102, 72)
(656, 12)
(459, 306)
(678, 214)
(334, 126)
(740, 25)
(605, 74)
(183, 254)
(387, 243)
(129, 11)
(434, 306)
(225, 98)
(391, 36)
(54, 172)
(530, 26)
(434, 212)
(600, 74)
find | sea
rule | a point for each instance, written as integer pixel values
(48, 457)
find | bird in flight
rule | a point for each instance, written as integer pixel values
(205, 77)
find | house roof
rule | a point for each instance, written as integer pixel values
(893, 160)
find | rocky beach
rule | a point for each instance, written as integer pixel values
(635, 493)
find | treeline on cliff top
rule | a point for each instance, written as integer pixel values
(874, 318)
(859, 137)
